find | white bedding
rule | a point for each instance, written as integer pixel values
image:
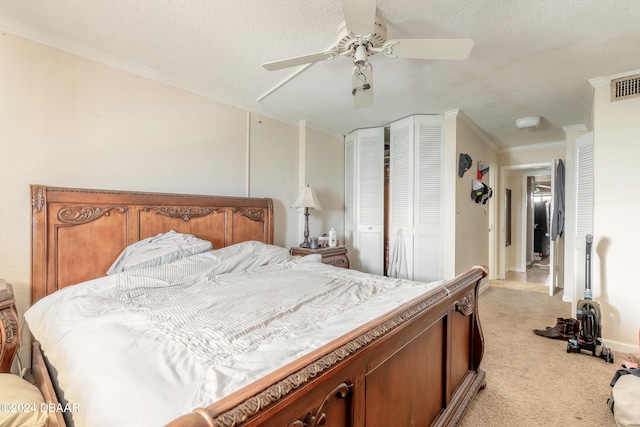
(143, 347)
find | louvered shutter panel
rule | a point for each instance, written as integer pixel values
(584, 187)
(428, 226)
(370, 200)
(364, 199)
(401, 194)
(416, 179)
(584, 206)
(371, 178)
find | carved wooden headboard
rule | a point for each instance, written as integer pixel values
(76, 234)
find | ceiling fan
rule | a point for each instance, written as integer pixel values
(363, 34)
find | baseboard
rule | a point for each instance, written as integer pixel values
(483, 287)
(621, 347)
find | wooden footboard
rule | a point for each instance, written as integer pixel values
(419, 365)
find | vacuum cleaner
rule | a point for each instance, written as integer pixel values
(589, 338)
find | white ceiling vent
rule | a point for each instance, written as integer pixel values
(625, 87)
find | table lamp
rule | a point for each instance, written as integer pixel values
(307, 199)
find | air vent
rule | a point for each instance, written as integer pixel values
(625, 87)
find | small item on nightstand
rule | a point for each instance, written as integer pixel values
(313, 242)
(323, 241)
(333, 240)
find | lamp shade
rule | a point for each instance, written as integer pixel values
(307, 199)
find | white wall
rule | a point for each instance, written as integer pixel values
(73, 122)
(616, 211)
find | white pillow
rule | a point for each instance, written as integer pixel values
(163, 248)
(248, 255)
(22, 403)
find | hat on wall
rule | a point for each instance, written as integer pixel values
(483, 169)
(465, 164)
(480, 192)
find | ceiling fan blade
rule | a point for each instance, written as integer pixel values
(300, 60)
(360, 16)
(429, 48)
(362, 84)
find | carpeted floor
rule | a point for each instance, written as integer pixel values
(532, 380)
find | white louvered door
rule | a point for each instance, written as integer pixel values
(364, 198)
(584, 206)
(428, 227)
(401, 182)
(416, 193)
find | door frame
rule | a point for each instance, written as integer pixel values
(540, 168)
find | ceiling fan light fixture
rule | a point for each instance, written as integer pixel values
(361, 57)
(528, 123)
(363, 34)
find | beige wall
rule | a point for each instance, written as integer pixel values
(513, 252)
(273, 172)
(69, 121)
(472, 219)
(616, 211)
(323, 167)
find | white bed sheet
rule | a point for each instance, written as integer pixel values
(129, 352)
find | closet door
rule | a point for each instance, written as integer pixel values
(584, 207)
(416, 187)
(428, 225)
(364, 198)
(401, 186)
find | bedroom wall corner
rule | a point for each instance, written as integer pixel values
(273, 172)
(322, 168)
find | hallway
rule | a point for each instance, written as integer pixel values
(533, 280)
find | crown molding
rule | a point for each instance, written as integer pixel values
(457, 113)
(535, 146)
(605, 80)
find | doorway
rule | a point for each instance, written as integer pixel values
(527, 256)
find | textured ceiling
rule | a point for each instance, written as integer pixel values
(529, 57)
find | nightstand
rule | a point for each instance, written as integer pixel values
(336, 256)
(9, 329)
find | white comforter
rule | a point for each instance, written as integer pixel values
(142, 347)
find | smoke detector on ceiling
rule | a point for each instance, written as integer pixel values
(527, 123)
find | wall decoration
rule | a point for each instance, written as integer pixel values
(483, 169)
(464, 164)
(480, 192)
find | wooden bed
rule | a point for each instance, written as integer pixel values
(417, 365)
